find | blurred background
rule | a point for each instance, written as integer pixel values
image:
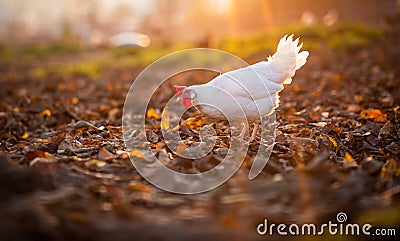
(132, 33)
(97, 22)
(65, 69)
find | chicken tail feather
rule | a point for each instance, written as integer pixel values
(287, 59)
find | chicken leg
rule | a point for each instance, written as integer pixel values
(254, 132)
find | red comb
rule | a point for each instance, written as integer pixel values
(178, 89)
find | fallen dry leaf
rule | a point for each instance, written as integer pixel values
(94, 164)
(136, 153)
(333, 141)
(194, 123)
(165, 120)
(46, 113)
(349, 162)
(375, 115)
(151, 113)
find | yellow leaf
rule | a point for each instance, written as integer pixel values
(348, 161)
(46, 113)
(151, 113)
(390, 169)
(336, 128)
(94, 164)
(348, 156)
(132, 186)
(192, 123)
(333, 141)
(165, 120)
(375, 115)
(25, 136)
(395, 109)
(75, 100)
(136, 153)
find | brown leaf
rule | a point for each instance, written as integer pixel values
(353, 108)
(181, 148)
(137, 187)
(349, 162)
(30, 155)
(104, 154)
(388, 130)
(371, 165)
(206, 163)
(390, 169)
(75, 100)
(336, 128)
(314, 116)
(136, 153)
(94, 164)
(91, 142)
(375, 115)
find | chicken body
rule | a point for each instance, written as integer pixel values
(249, 93)
(255, 88)
(244, 86)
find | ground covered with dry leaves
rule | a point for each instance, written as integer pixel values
(65, 172)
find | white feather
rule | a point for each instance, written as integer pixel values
(255, 88)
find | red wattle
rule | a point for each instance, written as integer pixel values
(178, 89)
(187, 103)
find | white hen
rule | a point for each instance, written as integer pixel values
(255, 88)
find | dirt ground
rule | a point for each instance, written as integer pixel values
(65, 172)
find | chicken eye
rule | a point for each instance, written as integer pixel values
(192, 95)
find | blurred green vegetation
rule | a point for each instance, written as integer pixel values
(90, 69)
(339, 37)
(44, 50)
(68, 43)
